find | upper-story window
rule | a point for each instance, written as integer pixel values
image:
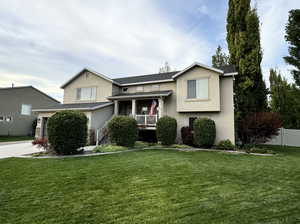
(86, 93)
(140, 88)
(197, 89)
(26, 109)
(125, 89)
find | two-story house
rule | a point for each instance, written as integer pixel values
(197, 91)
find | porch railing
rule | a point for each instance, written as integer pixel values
(147, 120)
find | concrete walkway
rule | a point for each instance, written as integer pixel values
(15, 149)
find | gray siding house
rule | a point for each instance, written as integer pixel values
(16, 104)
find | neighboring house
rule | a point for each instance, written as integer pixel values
(16, 104)
(197, 91)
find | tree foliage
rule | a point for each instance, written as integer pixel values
(259, 127)
(284, 100)
(293, 38)
(67, 131)
(243, 38)
(166, 130)
(204, 132)
(220, 58)
(165, 68)
(122, 130)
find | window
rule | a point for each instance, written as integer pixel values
(1, 118)
(139, 88)
(124, 90)
(197, 89)
(155, 87)
(26, 109)
(88, 93)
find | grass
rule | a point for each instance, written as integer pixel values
(153, 186)
(14, 138)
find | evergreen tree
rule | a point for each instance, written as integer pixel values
(220, 58)
(243, 37)
(236, 27)
(293, 38)
(285, 100)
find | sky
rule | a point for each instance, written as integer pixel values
(44, 43)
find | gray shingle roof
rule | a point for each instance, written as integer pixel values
(74, 106)
(162, 76)
(227, 68)
(145, 78)
(142, 94)
(12, 89)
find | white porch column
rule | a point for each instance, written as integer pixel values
(116, 104)
(160, 107)
(133, 107)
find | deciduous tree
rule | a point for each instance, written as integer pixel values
(220, 58)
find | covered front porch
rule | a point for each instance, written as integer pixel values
(146, 108)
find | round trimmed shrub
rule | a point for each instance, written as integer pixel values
(204, 132)
(122, 130)
(166, 130)
(67, 132)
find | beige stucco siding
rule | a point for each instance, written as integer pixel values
(224, 119)
(222, 102)
(195, 105)
(87, 79)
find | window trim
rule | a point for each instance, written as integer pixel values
(198, 99)
(86, 87)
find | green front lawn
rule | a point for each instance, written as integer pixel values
(14, 138)
(152, 186)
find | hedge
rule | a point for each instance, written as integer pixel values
(166, 130)
(204, 132)
(122, 130)
(67, 132)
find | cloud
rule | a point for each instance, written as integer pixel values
(55, 39)
(204, 10)
(43, 84)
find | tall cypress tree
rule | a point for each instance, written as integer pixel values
(250, 65)
(236, 26)
(243, 37)
(292, 36)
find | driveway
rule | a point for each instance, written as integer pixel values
(17, 149)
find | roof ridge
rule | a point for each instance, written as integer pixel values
(144, 75)
(15, 87)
